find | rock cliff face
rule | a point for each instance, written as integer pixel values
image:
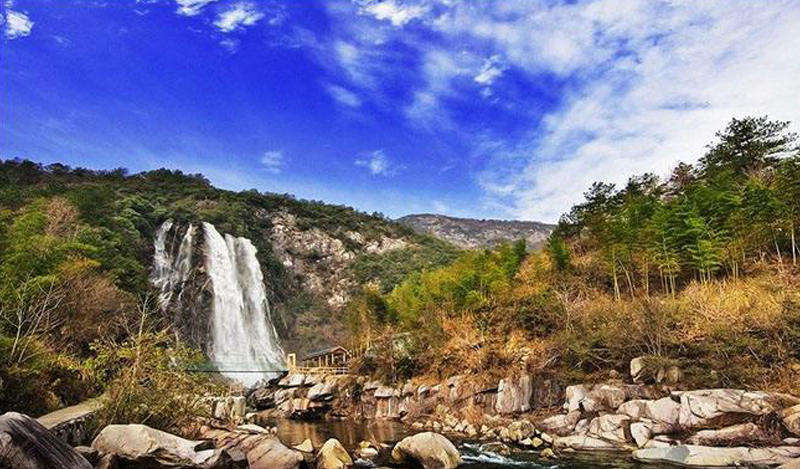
(320, 261)
(470, 233)
(306, 267)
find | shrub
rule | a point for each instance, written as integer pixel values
(147, 381)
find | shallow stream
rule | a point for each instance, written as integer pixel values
(476, 455)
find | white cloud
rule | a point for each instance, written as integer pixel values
(17, 24)
(490, 71)
(344, 96)
(393, 11)
(230, 44)
(192, 7)
(238, 15)
(643, 83)
(273, 161)
(379, 164)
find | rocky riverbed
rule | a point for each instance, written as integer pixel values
(652, 422)
(523, 420)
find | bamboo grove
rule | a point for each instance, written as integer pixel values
(737, 206)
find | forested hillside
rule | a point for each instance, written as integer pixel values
(697, 270)
(76, 249)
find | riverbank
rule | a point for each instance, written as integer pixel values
(652, 422)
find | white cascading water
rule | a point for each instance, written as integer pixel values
(245, 344)
(170, 273)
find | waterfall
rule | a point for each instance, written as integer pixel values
(243, 342)
(169, 274)
(244, 338)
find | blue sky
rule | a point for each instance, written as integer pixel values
(475, 108)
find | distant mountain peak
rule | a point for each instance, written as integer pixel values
(471, 233)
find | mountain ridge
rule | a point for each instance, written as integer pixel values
(473, 233)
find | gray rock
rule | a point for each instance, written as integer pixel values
(574, 396)
(792, 464)
(706, 456)
(745, 433)
(585, 443)
(324, 390)
(640, 433)
(143, 445)
(703, 408)
(664, 410)
(262, 451)
(90, 454)
(408, 389)
(430, 450)
(305, 447)
(514, 395)
(638, 366)
(604, 397)
(791, 419)
(108, 461)
(610, 427)
(332, 455)
(262, 398)
(269, 453)
(26, 444)
(292, 381)
(384, 392)
(561, 424)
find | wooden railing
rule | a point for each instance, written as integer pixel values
(321, 370)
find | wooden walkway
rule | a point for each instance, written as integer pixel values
(68, 423)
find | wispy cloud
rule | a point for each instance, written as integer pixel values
(273, 161)
(379, 164)
(344, 96)
(230, 44)
(641, 83)
(393, 11)
(17, 24)
(237, 16)
(192, 7)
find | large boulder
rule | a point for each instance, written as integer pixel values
(709, 408)
(262, 398)
(430, 450)
(385, 392)
(574, 396)
(791, 419)
(261, 450)
(665, 410)
(332, 455)
(148, 447)
(514, 395)
(638, 368)
(643, 431)
(604, 397)
(269, 453)
(793, 464)
(324, 390)
(27, 444)
(706, 456)
(561, 424)
(292, 381)
(586, 443)
(610, 427)
(742, 434)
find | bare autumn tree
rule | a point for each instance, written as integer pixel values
(32, 318)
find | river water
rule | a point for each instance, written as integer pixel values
(476, 455)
